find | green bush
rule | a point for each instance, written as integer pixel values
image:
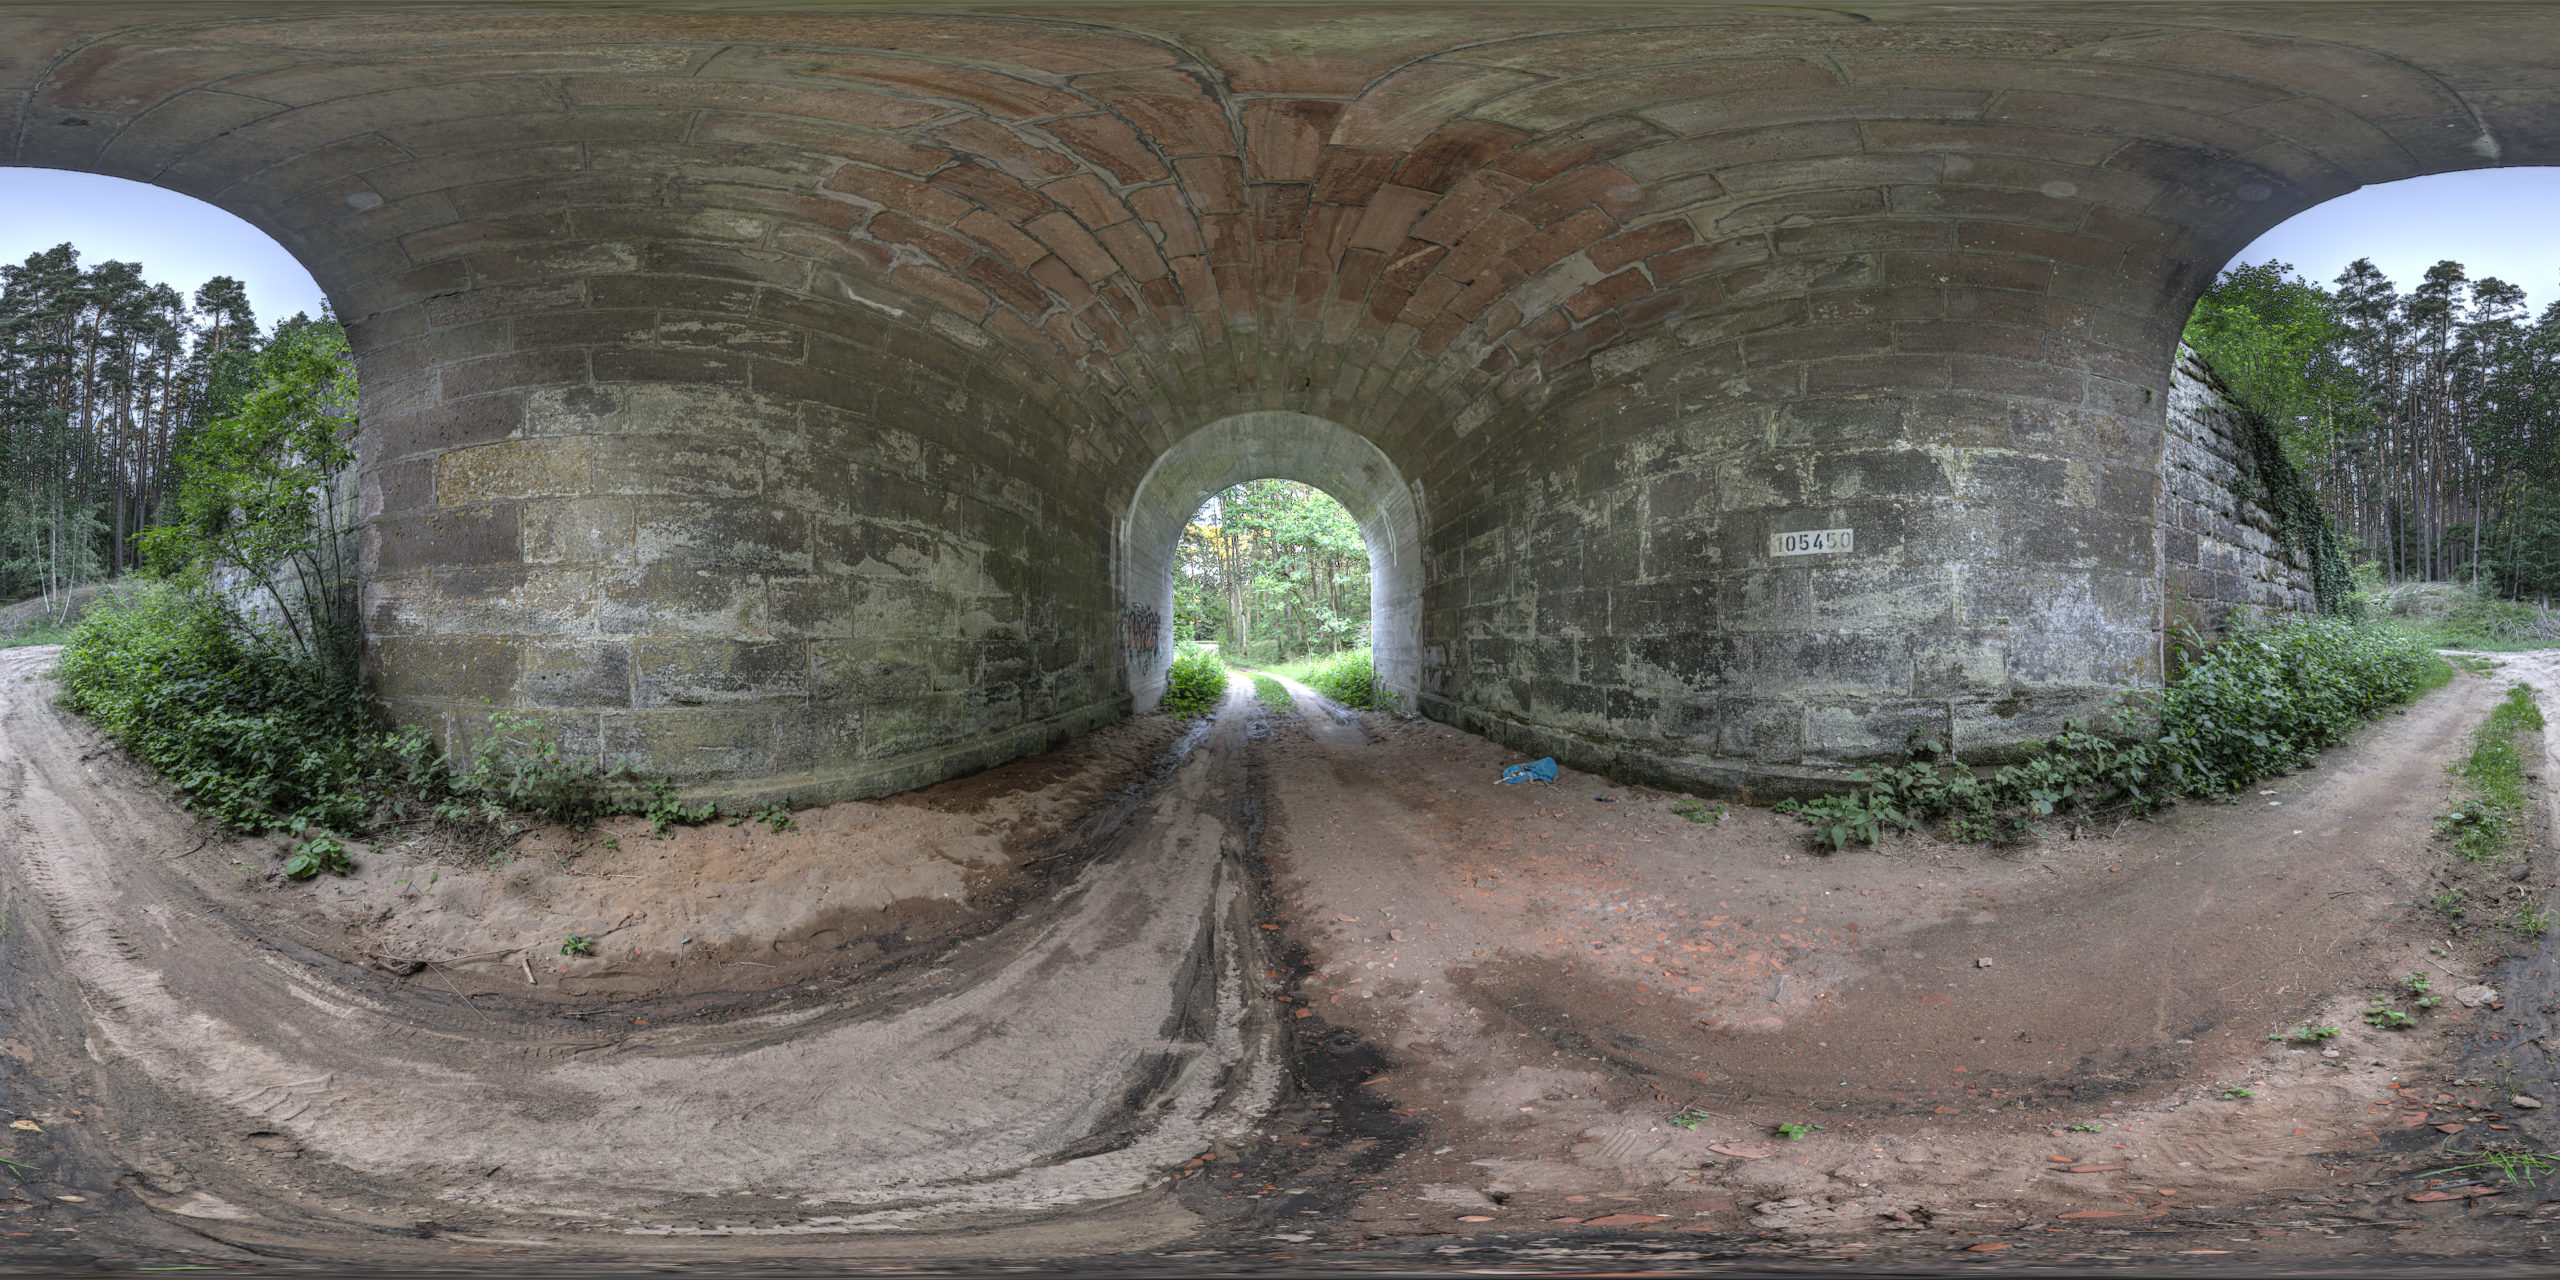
(1194, 682)
(253, 730)
(1350, 678)
(2268, 698)
(259, 721)
(261, 736)
(2274, 694)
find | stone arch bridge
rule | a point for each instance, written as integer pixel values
(765, 393)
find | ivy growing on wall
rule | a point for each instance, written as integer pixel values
(2302, 525)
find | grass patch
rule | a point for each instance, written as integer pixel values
(1303, 670)
(1273, 694)
(2486, 825)
(1349, 677)
(42, 631)
(2451, 616)
(2514, 1163)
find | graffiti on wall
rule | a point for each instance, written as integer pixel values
(1141, 635)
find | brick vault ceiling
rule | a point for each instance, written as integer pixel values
(1163, 206)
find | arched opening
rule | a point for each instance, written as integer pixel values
(130, 317)
(1255, 446)
(1275, 573)
(2387, 346)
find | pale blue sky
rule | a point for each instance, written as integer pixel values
(179, 240)
(2496, 222)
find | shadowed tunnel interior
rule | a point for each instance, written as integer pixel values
(762, 397)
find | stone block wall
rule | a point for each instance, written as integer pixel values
(1610, 593)
(2220, 550)
(847, 570)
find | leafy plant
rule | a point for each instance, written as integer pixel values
(658, 804)
(1792, 1131)
(2448, 902)
(249, 730)
(2528, 920)
(2379, 1013)
(2417, 984)
(1194, 681)
(1691, 1118)
(1696, 811)
(1350, 678)
(776, 815)
(1842, 819)
(2235, 1094)
(318, 855)
(2267, 698)
(2306, 1034)
(2085, 1128)
(517, 767)
(578, 944)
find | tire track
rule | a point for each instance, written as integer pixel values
(981, 1088)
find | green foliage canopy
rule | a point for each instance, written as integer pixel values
(262, 499)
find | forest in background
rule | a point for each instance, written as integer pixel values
(104, 379)
(1272, 570)
(2427, 423)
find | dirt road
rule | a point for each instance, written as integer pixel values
(1323, 993)
(1065, 1059)
(1563, 972)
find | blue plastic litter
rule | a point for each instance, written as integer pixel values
(1534, 771)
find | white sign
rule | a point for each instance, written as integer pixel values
(1811, 542)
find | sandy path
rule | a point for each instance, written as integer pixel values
(1558, 970)
(1544, 974)
(1065, 1059)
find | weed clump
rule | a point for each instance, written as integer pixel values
(2269, 697)
(1194, 681)
(318, 854)
(2484, 828)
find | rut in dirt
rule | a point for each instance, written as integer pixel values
(1065, 1058)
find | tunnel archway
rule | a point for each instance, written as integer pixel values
(2371, 349)
(1257, 446)
(749, 396)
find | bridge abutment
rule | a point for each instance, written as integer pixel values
(766, 399)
